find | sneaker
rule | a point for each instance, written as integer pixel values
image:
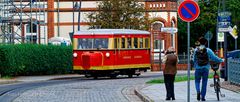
(203, 99)
(168, 98)
(198, 96)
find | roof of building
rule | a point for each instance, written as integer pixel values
(110, 31)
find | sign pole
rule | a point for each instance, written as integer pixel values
(225, 48)
(236, 44)
(188, 11)
(188, 48)
(225, 56)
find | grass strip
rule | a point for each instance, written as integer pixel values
(178, 78)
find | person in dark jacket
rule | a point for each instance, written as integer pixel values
(169, 72)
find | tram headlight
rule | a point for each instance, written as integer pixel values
(74, 54)
(107, 54)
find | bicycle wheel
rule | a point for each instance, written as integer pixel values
(217, 87)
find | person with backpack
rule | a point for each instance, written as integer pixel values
(169, 72)
(201, 59)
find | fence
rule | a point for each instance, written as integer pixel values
(182, 64)
(234, 71)
(182, 58)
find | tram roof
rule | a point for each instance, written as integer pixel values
(110, 31)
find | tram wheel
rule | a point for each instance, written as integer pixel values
(95, 77)
(87, 75)
(130, 75)
(113, 76)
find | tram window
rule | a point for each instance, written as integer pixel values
(100, 43)
(85, 43)
(129, 43)
(135, 43)
(92, 43)
(140, 42)
(115, 43)
(123, 43)
(147, 43)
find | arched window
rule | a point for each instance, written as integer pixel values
(157, 26)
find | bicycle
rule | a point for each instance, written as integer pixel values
(216, 80)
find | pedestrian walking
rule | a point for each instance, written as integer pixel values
(201, 59)
(169, 72)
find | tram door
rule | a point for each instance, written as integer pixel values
(116, 51)
(122, 52)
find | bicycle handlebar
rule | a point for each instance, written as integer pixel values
(215, 66)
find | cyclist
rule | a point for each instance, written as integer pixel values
(201, 58)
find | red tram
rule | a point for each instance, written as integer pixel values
(111, 52)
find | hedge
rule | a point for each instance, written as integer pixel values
(33, 59)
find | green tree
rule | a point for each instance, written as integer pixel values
(206, 21)
(118, 14)
(234, 7)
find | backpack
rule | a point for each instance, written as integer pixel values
(202, 57)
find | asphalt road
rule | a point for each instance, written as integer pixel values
(76, 90)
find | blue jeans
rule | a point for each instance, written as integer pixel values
(201, 74)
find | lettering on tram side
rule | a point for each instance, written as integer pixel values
(127, 57)
(137, 56)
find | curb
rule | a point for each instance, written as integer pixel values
(8, 81)
(143, 97)
(230, 86)
(46, 77)
(67, 77)
(38, 78)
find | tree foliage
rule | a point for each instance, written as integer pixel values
(118, 14)
(206, 21)
(234, 7)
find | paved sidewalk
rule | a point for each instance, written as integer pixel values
(157, 93)
(38, 78)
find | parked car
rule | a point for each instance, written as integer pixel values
(231, 54)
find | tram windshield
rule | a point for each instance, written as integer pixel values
(89, 43)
